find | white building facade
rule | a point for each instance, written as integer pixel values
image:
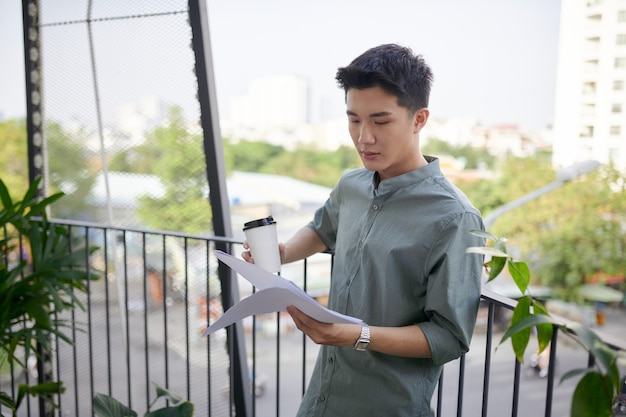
(590, 102)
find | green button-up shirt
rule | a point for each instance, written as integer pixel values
(399, 260)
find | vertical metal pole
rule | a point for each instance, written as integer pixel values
(216, 175)
(32, 72)
(36, 148)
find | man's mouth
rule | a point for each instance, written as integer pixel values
(369, 155)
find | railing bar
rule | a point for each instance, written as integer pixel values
(231, 368)
(107, 311)
(187, 341)
(74, 348)
(278, 364)
(305, 287)
(487, 372)
(126, 320)
(440, 394)
(516, 388)
(89, 317)
(58, 366)
(164, 302)
(146, 340)
(58, 362)
(254, 330)
(459, 409)
(164, 233)
(207, 298)
(591, 360)
(551, 371)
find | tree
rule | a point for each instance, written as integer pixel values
(318, 167)
(249, 156)
(569, 234)
(69, 170)
(180, 165)
(14, 155)
(474, 157)
(588, 237)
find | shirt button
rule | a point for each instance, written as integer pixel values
(330, 360)
(321, 398)
(375, 207)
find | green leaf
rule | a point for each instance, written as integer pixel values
(605, 357)
(495, 266)
(523, 326)
(483, 234)
(486, 250)
(5, 196)
(544, 331)
(7, 401)
(185, 409)
(575, 373)
(521, 275)
(167, 394)
(107, 406)
(589, 399)
(520, 339)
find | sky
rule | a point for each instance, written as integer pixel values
(493, 60)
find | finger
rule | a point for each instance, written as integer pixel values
(247, 256)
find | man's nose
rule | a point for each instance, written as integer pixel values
(366, 135)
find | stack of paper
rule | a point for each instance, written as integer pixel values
(274, 293)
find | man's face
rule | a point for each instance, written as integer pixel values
(385, 134)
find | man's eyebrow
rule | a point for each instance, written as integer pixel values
(377, 114)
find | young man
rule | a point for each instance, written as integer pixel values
(399, 231)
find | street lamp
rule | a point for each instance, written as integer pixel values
(563, 176)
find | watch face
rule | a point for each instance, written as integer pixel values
(361, 345)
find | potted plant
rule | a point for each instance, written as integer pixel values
(41, 272)
(107, 406)
(600, 387)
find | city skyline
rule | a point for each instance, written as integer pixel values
(493, 60)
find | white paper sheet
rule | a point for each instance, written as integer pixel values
(274, 293)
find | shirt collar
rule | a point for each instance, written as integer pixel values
(411, 177)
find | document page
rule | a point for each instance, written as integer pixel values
(274, 293)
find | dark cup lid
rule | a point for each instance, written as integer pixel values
(260, 222)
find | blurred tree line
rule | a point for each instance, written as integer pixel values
(573, 233)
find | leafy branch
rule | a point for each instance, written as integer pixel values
(107, 406)
(600, 385)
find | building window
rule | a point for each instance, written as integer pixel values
(589, 88)
(618, 85)
(616, 108)
(620, 62)
(621, 16)
(621, 39)
(616, 130)
(586, 132)
(588, 110)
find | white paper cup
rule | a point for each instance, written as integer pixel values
(263, 242)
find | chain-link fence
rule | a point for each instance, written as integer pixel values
(120, 114)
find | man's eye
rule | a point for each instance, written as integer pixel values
(354, 121)
(382, 122)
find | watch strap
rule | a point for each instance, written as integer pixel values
(363, 341)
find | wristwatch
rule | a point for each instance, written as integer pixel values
(363, 341)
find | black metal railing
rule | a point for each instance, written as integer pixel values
(157, 291)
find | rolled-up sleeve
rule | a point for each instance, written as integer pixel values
(454, 284)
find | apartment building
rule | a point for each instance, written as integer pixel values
(590, 102)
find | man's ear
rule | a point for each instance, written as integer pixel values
(420, 118)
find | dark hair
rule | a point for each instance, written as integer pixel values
(395, 69)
